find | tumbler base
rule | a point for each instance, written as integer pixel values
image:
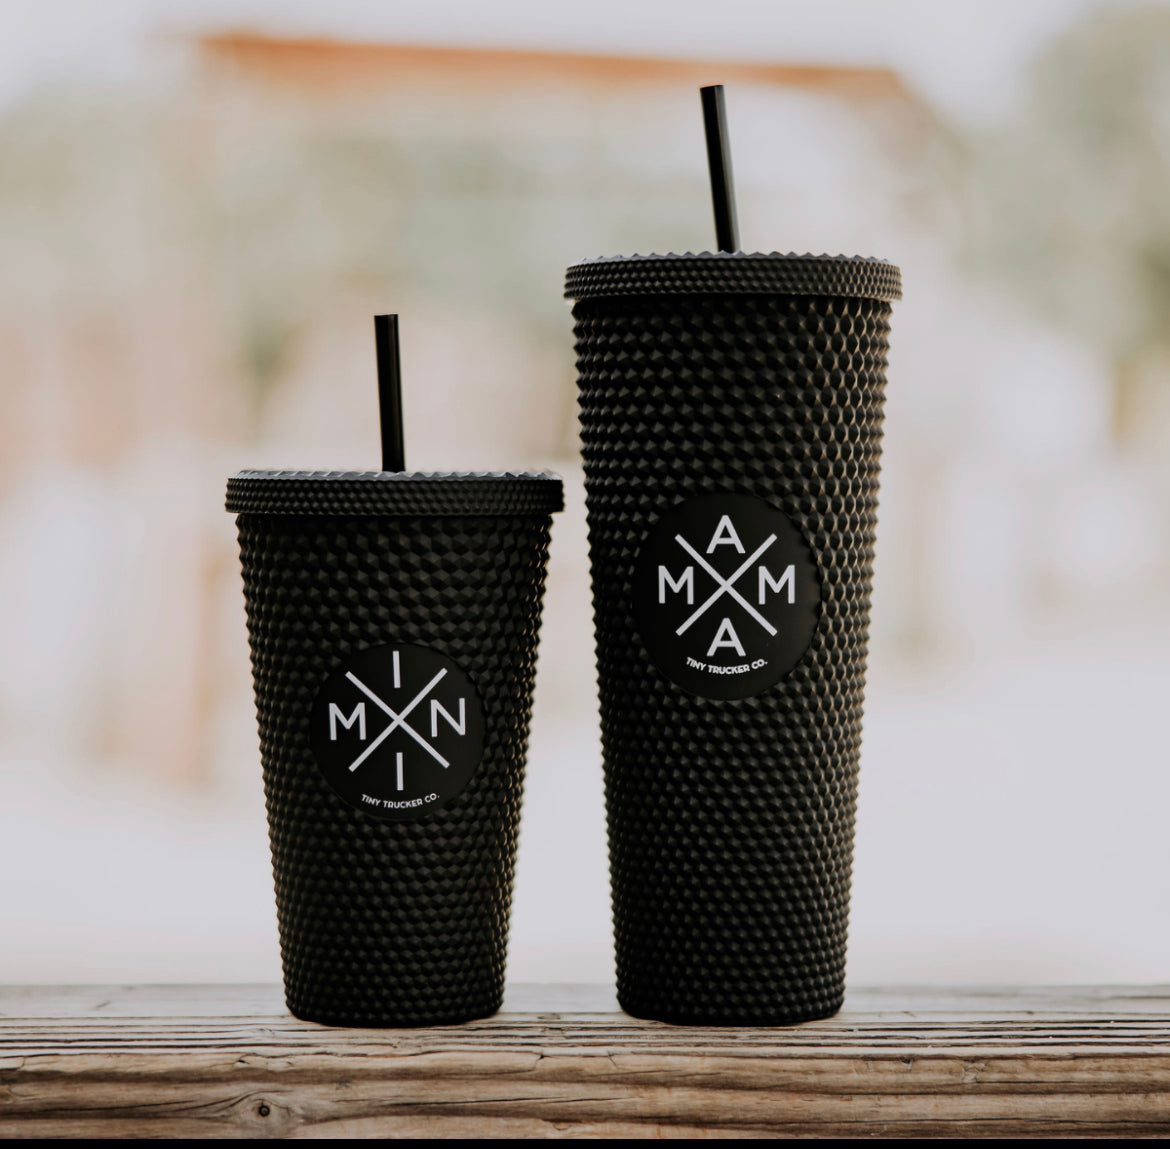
(718, 1018)
(388, 1021)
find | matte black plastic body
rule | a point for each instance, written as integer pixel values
(731, 822)
(391, 923)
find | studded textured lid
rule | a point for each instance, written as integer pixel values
(394, 493)
(737, 272)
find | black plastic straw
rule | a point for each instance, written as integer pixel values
(719, 163)
(390, 392)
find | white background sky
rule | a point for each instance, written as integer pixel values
(1035, 784)
(965, 55)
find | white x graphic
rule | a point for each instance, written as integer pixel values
(399, 720)
(726, 584)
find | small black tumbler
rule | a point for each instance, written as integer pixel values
(731, 412)
(393, 620)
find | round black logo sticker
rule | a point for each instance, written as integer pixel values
(397, 730)
(726, 595)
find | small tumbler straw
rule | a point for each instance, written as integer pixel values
(719, 163)
(390, 392)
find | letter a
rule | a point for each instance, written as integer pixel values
(725, 536)
(726, 636)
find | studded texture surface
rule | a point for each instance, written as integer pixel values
(392, 923)
(394, 493)
(731, 822)
(734, 271)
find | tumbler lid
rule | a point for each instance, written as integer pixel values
(735, 272)
(394, 493)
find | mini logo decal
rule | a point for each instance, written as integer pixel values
(726, 595)
(397, 730)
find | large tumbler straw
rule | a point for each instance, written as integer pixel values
(393, 619)
(731, 409)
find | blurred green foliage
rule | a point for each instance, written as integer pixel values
(105, 195)
(1072, 200)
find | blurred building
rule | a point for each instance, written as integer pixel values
(189, 268)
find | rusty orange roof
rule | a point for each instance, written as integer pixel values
(340, 66)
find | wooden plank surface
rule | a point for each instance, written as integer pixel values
(563, 1061)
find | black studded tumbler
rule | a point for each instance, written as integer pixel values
(731, 413)
(393, 620)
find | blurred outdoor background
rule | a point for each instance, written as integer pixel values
(202, 206)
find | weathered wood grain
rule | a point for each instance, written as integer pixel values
(562, 1061)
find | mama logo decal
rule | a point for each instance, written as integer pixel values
(397, 730)
(726, 595)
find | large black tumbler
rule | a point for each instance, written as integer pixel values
(393, 622)
(731, 412)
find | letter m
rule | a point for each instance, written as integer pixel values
(788, 577)
(336, 716)
(686, 579)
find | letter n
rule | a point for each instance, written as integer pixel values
(437, 708)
